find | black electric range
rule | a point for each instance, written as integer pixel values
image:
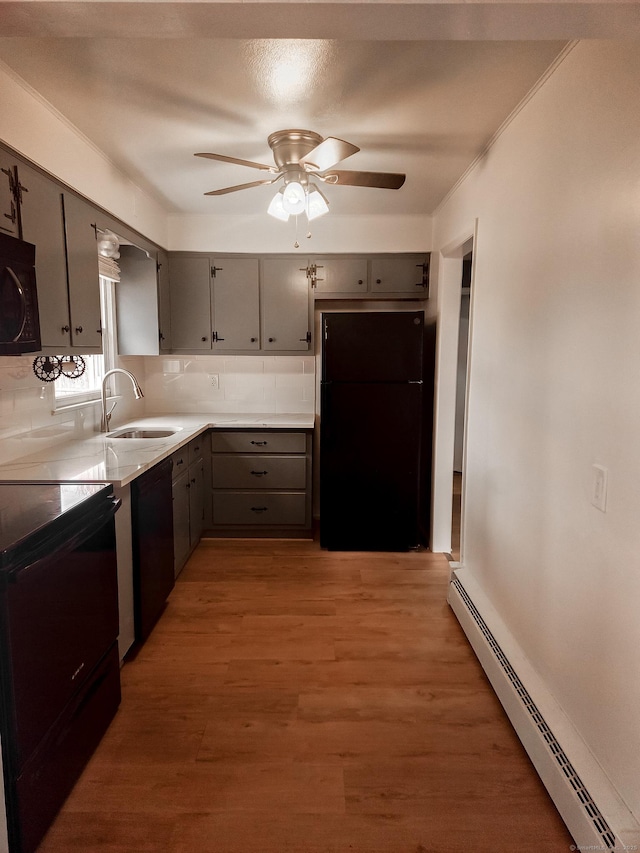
(60, 673)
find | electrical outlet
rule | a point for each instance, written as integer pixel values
(599, 488)
(214, 378)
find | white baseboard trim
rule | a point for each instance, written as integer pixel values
(595, 814)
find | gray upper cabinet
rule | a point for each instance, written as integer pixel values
(164, 299)
(82, 273)
(236, 304)
(62, 227)
(190, 285)
(285, 305)
(338, 275)
(401, 274)
(43, 225)
(9, 223)
(137, 303)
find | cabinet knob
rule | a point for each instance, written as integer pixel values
(253, 340)
(66, 330)
(360, 281)
(271, 340)
(203, 339)
(378, 281)
(78, 330)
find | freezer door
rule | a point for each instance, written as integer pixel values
(370, 466)
(385, 346)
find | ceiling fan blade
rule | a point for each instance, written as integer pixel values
(329, 152)
(223, 157)
(226, 190)
(381, 180)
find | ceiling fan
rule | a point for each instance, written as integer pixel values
(302, 155)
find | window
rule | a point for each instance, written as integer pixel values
(71, 392)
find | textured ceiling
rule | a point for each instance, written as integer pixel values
(427, 108)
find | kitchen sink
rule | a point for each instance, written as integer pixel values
(142, 433)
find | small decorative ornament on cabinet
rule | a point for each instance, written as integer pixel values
(48, 368)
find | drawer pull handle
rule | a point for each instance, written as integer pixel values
(258, 443)
(259, 473)
(259, 508)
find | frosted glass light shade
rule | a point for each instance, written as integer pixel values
(294, 198)
(276, 208)
(317, 205)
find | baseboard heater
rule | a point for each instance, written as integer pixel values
(590, 806)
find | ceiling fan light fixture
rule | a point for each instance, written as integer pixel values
(317, 204)
(276, 208)
(294, 198)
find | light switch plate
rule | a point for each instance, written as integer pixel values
(599, 488)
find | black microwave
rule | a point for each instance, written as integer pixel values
(19, 321)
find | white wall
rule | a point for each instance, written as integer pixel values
(30, 125)
(555, 362)
(331, 233)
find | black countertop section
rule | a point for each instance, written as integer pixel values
(31, 513)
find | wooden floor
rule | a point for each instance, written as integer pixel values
(293, 700)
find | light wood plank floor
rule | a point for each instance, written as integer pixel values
(292, 700)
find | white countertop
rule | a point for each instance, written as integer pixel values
(101, 459)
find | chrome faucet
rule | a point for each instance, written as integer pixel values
(137, 392)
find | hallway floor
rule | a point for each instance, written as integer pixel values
(293, 700)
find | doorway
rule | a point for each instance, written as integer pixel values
(461, 398)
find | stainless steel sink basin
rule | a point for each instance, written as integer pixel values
(142, 433)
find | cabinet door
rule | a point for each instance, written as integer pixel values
(285, 305)
(236, 306)
(341, 275)
(137, 303)
(8, 201)
(82, 274)
(189, 280)
(164, 302)
(409, 274)
(43, 225)
(181, 534)
(196, 501)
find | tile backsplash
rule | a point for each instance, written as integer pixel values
(245, 384)
(221, 384)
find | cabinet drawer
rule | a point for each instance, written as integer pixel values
(180, 462)
(258, 442)
(196, 448)
(261, 508)
(259, 472)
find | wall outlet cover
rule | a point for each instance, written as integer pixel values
(214, 379)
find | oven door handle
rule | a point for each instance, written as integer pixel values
(23, 301)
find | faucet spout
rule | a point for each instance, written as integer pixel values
(137, 393)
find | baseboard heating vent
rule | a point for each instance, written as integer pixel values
(593, 812)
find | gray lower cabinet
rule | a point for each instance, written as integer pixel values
(188, 491)
(261, 482)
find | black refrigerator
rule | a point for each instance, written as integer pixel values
(376, 423)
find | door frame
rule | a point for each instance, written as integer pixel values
(449, 278)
